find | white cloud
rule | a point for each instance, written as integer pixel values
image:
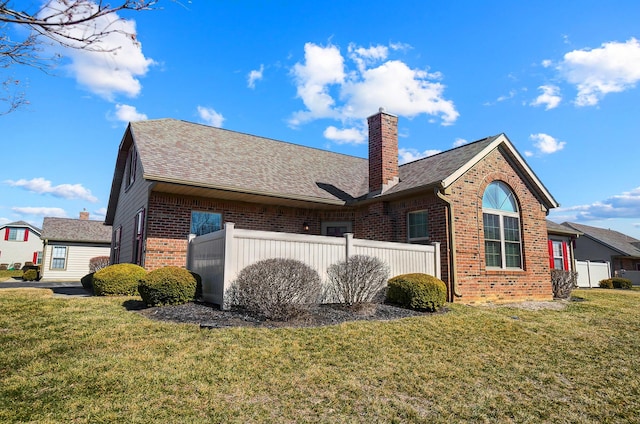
(4, 221)
(100, 213)
(547, 63)
(255, 75)
(323, 66)
(210, 116)
(331, 89)
(613, 67)
(113, 64)
(40, 211)
(345, 136)
(65, 191)
(459, 142)
(127, 113)
(410, 155)
(625, 205)
(545, 144)
(550, 97)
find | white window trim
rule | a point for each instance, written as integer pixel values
(503, 255)
(66, 256)
(414, 239)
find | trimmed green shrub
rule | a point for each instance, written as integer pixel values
(87, 282)
(606, 283)
(170, 285)
(30, 275)
(277, 289)
(616, 283)
(417, 291)
(118, 280)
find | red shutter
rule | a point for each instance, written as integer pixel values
(35, 258)
(550, 253)
(6, 234)
(26, 234)
(565, 256)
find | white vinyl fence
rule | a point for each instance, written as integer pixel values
(590, 273)
(218, 257)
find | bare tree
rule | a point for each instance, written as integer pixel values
(78, 24)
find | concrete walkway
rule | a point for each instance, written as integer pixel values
(60, 289)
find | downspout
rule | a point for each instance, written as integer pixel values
(452, 241)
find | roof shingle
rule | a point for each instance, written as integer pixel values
(75, 230)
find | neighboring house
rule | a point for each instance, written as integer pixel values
(20, 243)
(481, 201)
(69, 244)
(603, 245)
(561, 240)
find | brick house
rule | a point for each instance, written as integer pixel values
(481, 201)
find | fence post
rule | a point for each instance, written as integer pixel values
(189, 250)
(228, 269)
(437, 270)
(348, 237)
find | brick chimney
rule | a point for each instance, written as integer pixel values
(84, 215)
(383, 151)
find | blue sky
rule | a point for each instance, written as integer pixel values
(561, 79)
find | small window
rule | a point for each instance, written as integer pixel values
(132, 162)
(559, 252)
(37, 258)
(58, 257)
(117, 237)
(17, 234)
(336, 229)
(138, 237)
(205, 222)
(418, 228)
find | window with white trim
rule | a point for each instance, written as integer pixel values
(417, 226)
(16, 234)
(501, 222)
(58, 257)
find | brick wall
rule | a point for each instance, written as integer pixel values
(169, 222)
(475, 282)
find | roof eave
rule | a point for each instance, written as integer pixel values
(502, 139)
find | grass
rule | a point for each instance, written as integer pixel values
(91, 360)
(7, 274)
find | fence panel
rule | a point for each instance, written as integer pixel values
(219, 257)
(634, 276)
(590, 273)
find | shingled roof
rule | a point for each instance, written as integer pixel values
(194, 155)
(75, 230)
(22, 224)
(622, 243)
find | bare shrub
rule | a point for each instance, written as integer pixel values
(357, 280)
(278, 289)
(563, 282)
(97, 263)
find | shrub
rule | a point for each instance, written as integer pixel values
(87, 282)
(616, 283)
(97, 263)
(118, 280)
(606, 283)
(170, 285)
(417, 291)
(358, 279)
(563, 282)
(277, 289)
(30, 275)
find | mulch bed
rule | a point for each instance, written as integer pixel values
(209, 316)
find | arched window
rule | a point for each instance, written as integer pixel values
(502, 242)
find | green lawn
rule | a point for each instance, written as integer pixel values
(91, 360)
